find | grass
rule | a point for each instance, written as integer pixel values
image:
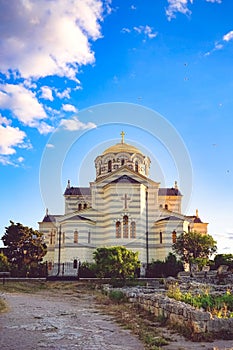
(219, 305)
(3, 306)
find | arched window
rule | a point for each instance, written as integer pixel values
(160, 237)
(85, 206)
(99, 169)
(80, 206)
(118, 229)
(136, 167)
(174, 236)
(52, 237)
(109, 166)
(122, 161)
(166, 206)
(75, 236)
(125, 226)
(161, 206)
(75, 264)
(133, 229)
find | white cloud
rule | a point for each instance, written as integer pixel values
(22, 102)
(125, 30)
(44, 128)
(50, 145)
(149, 33)
(228, 36)
(75, 124)
(10, 138)
(20, 159)
(63, 94)
(213, 1)
(41, 38)
(219, 45)
(181, 6)
(146, 30)
(47, 93)
(177, 6)
(4, 120)
(4, 160)
(69, 108)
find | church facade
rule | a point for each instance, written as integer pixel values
(121, 207)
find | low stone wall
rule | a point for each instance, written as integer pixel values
(180, 314)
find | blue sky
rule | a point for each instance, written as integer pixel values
(73, 74)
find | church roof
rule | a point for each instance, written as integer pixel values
(172, 218)
(125, 179)
(85, 191)
(169, 192)
(78, 217)
(122, 147)
(49, 218)
(195, 219)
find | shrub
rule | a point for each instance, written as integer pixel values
(219, 305)
(116, 295)
(87, 270)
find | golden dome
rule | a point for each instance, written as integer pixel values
(122, 147)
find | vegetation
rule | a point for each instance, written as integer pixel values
(88, 270)
(223, 259)
(194, 247)
(140, 322)
(24, 250)
(116, 295)
(219, 305)
(116, 262)
(4, 265)
(170, 267)
(3, 306)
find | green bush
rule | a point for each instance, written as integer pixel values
(87, 270)
(170, 267)
(219, 305)
(117, 295)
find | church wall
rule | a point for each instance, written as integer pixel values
(72, 202)
(198, 227)
(172, 203)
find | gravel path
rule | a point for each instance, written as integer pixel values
(43, 322)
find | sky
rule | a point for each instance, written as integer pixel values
(75, 73)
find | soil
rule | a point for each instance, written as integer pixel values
(63, 319)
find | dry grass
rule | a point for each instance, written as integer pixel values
(138, 321)
(3, 306)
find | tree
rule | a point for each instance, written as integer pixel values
(223, 259)
(194, 247)
(116, 262)
(170, 267)
(4, 265)
(25, 247)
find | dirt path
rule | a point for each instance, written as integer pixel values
(37, 322)
(64, 321)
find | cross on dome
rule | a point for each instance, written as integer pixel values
(122, 136)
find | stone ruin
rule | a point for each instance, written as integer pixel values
(198, 322)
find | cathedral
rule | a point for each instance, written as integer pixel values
(123, 206)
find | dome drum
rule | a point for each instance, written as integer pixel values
(120, 155)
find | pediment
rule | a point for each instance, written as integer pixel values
(125, 175)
